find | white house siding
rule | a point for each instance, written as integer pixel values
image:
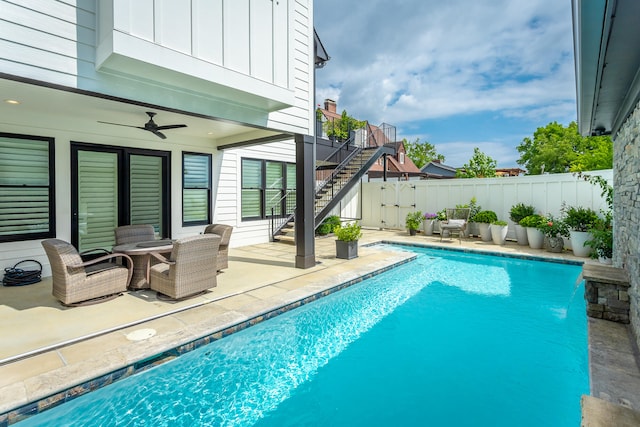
(56, 42)
(302, 114)
(227, 203)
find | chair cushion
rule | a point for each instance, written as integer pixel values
(456, 222)
(101, 266)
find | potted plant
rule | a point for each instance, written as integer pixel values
(440, 216)
(499, 231)
(428, 220)
(517, 213)
(484, 219)
(601, 241)
(580, 220)
(413, 221)
(472, 226)
(535, 237)
(554, 229)
(347, 243)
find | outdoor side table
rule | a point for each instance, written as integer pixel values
(140, 254)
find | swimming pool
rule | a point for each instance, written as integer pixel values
(449, 339)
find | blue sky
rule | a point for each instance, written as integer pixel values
(457, 73)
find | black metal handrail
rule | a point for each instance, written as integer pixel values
(282, 211)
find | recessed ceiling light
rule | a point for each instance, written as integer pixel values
(209, 133)
(12, 101)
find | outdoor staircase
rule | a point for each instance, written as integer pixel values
(341, 180)
(335, 176)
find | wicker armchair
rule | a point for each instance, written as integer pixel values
(80, 283)
(134, 233)
(224, 231)
(187, 271)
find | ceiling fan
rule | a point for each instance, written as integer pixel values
(150, 126)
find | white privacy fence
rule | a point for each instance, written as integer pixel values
(385, 204)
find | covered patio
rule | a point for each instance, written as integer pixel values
(52, 352)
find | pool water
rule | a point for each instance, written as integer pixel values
(451, 339)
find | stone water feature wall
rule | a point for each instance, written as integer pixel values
(626, 203)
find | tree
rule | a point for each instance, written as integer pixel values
(340, 128)
(557, 149)
(480, 166)
(421, 153)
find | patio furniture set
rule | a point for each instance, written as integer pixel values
(175, 269)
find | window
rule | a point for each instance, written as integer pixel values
(196, 189)
(27, 202)
(268, 188)
(401, 157)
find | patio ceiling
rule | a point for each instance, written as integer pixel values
(607, 59)
(43, 108)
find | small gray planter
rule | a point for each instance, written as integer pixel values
(346, 250)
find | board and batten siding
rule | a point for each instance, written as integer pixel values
(240, 75)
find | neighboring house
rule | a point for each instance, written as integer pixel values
(399, 167)
(607, 60)
(438, 170)
(510, 172)
(232, 86)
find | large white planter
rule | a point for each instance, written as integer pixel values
(485, 234)
(499, 233)
(428, 227)
(535, 237)
(472, 229)
(577, 243)
(521, 235)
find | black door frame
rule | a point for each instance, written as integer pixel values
(123, 156)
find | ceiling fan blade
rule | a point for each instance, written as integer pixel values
(120, 124)
(157, 133)
(170, 127)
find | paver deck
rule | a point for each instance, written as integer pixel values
(47, 347)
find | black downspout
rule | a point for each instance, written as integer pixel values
(384, 168)
(305, 215)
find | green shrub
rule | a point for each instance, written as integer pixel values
(501, 223)
(328, 225)
(485, 216)
(520, 211)
(532, 221)
(580, 219)
(349, 232)
(413, 220)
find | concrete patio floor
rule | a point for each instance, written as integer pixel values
(47, 348)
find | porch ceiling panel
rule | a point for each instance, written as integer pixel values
(606, 34)
(44, 107)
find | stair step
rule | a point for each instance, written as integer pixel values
(285, 239)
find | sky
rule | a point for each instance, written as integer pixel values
(457, 73)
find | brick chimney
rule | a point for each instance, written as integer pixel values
(330, 105)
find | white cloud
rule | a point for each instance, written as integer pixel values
(406, 61)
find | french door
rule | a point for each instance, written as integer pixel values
(113, 186)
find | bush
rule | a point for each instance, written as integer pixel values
(501, 223)
(520, 211)
(328, 225)
(601, 238)
(552, 227)
(442, 215)
(485, 216)
(580, 219)
(413, 220)
(349, 232)
(532, 221)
